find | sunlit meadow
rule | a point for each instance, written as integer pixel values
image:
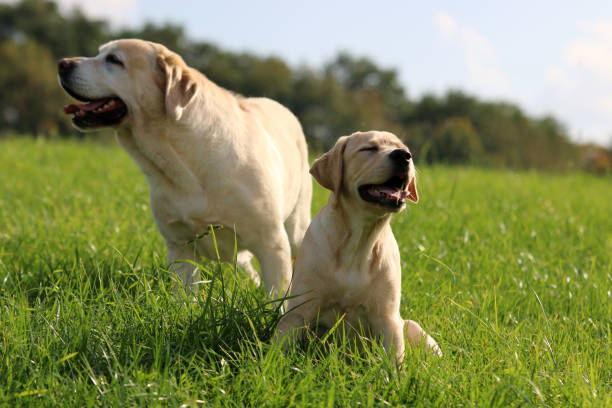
(510, 271)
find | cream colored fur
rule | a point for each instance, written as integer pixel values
(349, 262)
(210, 157)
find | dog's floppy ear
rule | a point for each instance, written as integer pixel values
(179, 88)
(412, 190)
(328, 169)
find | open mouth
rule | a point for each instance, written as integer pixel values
(390, 195)
(101, 112)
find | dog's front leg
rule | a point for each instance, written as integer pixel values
(391, 329)
(290, 330)
(178, 259)
(274, 255)
(294, 323)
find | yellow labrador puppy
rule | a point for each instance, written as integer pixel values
(210, 157)
(349, 262)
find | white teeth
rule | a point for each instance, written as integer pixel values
(105, 106)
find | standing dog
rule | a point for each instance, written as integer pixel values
(349, 262)
(210, 157)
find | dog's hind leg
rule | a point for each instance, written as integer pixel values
(245, 261)
(298, 221)
(391, 331)
(178, 259)
(224, 244)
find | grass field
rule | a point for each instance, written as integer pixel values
(510, 272)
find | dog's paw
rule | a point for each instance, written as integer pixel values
(415, 334)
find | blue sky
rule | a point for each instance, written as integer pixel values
(548, 56)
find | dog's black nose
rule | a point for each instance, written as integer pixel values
(400, 156)
(64, 66)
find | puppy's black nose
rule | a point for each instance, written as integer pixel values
(400, 156)
(64, 66)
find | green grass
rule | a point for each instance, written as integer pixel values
(510, 272)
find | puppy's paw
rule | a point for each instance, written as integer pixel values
(415, 334)
(282, 341)
(287, 334)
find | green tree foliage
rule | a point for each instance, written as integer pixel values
(501, 134)
(456, 141)
(243, 73)
(171, 35)
(28, 81)
(40, 21)
(349, 93)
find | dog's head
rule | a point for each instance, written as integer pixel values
(373, 168)
(126, 78)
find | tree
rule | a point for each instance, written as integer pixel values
(41, 22)
(31, 100)
(362, 74)
(456, 141)
(171, 35)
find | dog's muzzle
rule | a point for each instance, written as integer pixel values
(64, 68)
(95, 112)
(400, 158)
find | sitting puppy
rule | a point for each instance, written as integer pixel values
(349, 262)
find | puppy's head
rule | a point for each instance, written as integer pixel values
(127, 78)
(374, 169)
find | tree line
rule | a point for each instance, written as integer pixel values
(346, 94)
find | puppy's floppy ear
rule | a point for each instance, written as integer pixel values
(179, 88)
(328, 169)
(412, 190)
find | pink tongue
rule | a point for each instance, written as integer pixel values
(393, 192)
(72, 108)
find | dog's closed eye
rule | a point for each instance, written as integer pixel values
(113, 59)
(369, 149)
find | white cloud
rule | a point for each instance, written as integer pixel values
(579, 88)
(118, 12)
(446, 24)
(594, 53)
(595, 57)
(606, 104)
(558, 77)
(485, 76)
(600, 28)
(482, 63)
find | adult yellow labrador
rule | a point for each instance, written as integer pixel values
(210, 157)
(349, 262)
